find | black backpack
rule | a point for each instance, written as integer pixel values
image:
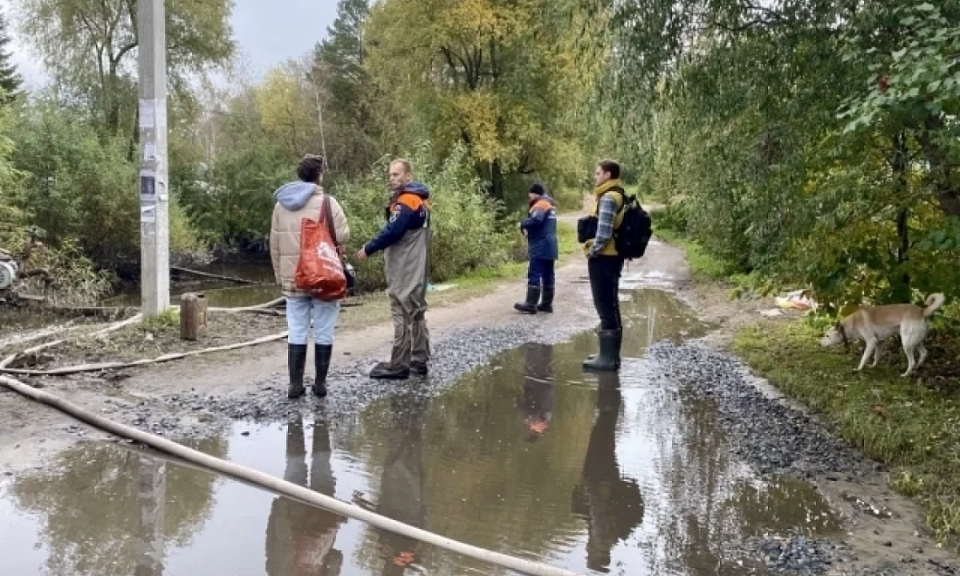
(635, 230)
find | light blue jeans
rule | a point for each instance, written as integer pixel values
(324, 320)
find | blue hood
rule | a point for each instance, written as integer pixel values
(417, 188)
(295, 195)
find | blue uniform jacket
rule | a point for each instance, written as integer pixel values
(541, 228)
(408, 210)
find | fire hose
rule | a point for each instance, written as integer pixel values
(283, 487)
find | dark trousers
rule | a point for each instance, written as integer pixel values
(605, 285)
(540, 272)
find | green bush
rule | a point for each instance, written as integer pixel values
(464, 220)
(78, 185)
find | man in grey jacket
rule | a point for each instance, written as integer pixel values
(405, 241)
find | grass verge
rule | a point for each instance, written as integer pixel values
(912, 426)
(568, 247)
(702, 265)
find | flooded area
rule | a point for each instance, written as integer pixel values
(219, 293)
(528, 455)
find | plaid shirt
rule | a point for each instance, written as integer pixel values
(606, 216)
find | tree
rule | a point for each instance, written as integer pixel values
(13, 233)
(10, 81)
(287, 109)
(344, 90)
(339, 58)
(784, 163)
(89, 48)
(499, 76)
(916, 87)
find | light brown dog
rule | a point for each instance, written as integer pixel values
(871, 324)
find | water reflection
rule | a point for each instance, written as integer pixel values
(104, 511)
(300, 538)
(151, 497)
(536, 399)
(401, 494)
(611, 503)
(219, 293)
(623, 473)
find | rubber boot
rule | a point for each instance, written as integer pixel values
(530, 306)
(321, 361)
(296, 362)
(546, 299)
(384, 371)
(608, 360)
(419, 368)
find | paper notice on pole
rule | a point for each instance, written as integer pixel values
(150, 152)
(148, 113)
(148, 214)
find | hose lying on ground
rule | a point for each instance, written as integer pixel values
(283, 487)
(143, 361)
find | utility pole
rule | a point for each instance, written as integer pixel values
(154, 206)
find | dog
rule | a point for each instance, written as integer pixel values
(871, 324)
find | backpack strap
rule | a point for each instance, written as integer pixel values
(623, 197)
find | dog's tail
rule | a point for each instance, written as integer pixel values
(934, 301)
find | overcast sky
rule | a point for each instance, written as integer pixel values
(267, 33)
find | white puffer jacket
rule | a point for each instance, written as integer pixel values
(295, 201)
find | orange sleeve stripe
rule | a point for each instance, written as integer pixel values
(543, 205)
(411, 201)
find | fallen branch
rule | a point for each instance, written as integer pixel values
(111, 328)
(34, 273)
(233, 279)
(265, 306)
(267, 312)
(295, 491)
(89, 311)
(18, 340)
(142, 362)
(29, 297)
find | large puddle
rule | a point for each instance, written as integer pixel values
(621, 474)
(218, 292)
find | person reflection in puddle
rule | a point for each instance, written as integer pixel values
(611, 504)
(300, 537)
(536, 399)
(401, 484)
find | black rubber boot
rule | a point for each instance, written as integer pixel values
(296, 362)
(546, 299)
(383, 371)
(530, 306)
(608, 360)
(419, 368)
(321, 361)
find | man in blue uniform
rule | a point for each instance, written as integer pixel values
(540, 226)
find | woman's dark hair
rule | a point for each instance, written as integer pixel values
(310, 168)
(611, 167)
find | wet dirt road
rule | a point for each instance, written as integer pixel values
(675, 466)
(526, 455)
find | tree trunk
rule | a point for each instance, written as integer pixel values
(948, 196)
(899, 161)
(496, 180)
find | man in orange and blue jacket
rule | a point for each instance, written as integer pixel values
(405, 241)
(540, 226)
